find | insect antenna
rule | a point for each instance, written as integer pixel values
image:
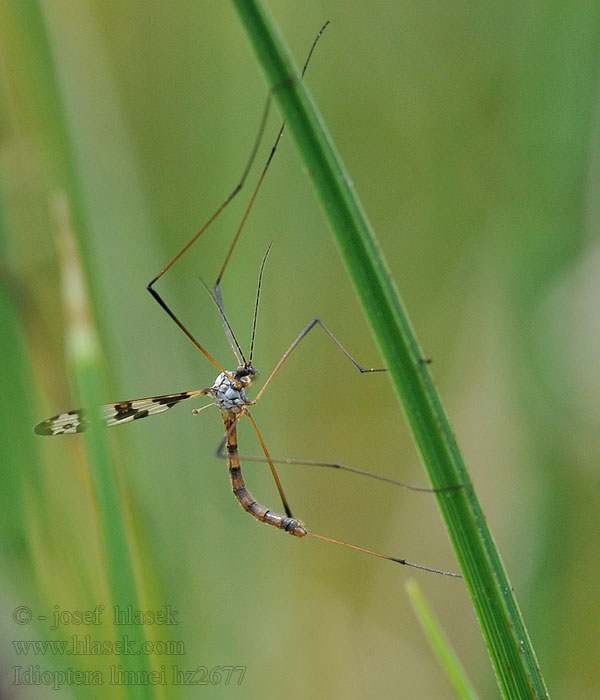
(231, 339)
(257, 301)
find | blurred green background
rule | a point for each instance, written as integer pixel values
(471, 132)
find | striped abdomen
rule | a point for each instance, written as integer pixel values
(246, 499)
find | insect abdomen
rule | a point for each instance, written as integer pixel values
(247, 500)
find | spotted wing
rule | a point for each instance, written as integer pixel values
(113, 413)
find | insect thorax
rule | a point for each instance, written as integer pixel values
(228, 395)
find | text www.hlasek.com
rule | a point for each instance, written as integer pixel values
(84, 645)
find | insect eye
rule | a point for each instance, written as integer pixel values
(245, 371)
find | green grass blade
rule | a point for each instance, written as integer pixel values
(440, 644)
(20, 461)
(83, 348)
(84, 353)
(504, 630)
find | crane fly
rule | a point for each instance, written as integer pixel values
(229, 388)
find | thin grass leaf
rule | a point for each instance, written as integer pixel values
(440, 644)
(83, 348)
(20, 462)
(510, 648)
(84, 353)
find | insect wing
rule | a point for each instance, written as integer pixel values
(69, 422)
(113, 413)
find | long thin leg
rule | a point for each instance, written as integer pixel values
(227, 200)
(154, 292)
(334, 465)
(404, 562)
(220, 453)
(219, 210)
(268, 162)
(282, 495)
(201, 347)
(305, 331)
(346, 468)
(289, 524)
